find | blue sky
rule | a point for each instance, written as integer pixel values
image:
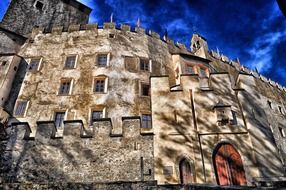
(253, 31)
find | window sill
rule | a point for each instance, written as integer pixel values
(143, 96)
(99, 92)
(64, 94)
(65, 68)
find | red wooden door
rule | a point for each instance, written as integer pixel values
(185, 172)
(229, 167)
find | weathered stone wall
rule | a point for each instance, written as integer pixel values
(54, 12)
(99, 157)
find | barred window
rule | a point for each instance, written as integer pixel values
(70, 62)
(100, 84)
(20, 108)
(102, 60)
(96, 115)
(146, 121)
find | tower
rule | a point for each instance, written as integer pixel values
(199, 46)
(22, 16)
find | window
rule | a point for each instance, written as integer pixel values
(70, 62)
(189, 69)
(282, 132)
(222, 116)
(96, 115)
(99, 85)
(39, 5)
(146, 121)
(145, 89)
(59, 119)
(280, 109)
(21, 108)
(144, 64)
(65, 87)
(34, 65)
(102, 60)
(269, 104)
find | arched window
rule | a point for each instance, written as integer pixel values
(228, 166)
(186, 175)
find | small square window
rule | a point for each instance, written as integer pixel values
(65, 87)
(146, 121)
(145, 89)
(144, 65)
(59, 119)
(189, 69)
(34, 65)
(102, 60)
(70, 62)
(21, 108)
(39, 5)
(111, 35)
(99, 85)
(96, 115)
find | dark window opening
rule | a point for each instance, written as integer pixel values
(146, 121)
(59, 119)
(39, 5)
(269, 104)
(145, 90)
(15, 68)
(111, 36)
(280, 109)
(4, 63)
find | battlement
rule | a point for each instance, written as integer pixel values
(244, 69)
(110, 26)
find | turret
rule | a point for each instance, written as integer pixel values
(199, 46)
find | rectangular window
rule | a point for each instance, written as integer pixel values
(189, 69)
(102, 60)
(145, 89)
(70, 62)
(65, 87)
(280, 109)
(34, 65)
(20, 108)
(144, 64)
(96, 115)
(99, 85)
(59, 119)
(146, 121)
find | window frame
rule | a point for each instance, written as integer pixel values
(75, 61)
(143, 121)
(96, 109)
(25, 109)
(148, 61)
(43, 7)
(108, 55)
(38, 66)
(97, 78)
(64, 118)
(70, 87)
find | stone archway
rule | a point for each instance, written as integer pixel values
(185, 172)
(228, 165)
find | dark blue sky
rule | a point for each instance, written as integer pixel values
(252, 30)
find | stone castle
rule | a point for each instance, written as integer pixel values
(85, 103)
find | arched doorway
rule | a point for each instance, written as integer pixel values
(186, 175)
(228, 166)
